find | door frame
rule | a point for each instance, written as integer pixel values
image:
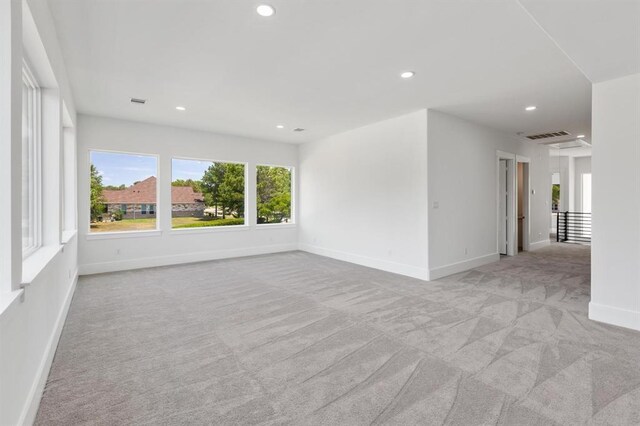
(526, 192)
(512, 228)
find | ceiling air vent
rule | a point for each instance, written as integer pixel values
(548, 135)
(298, 129)
(138, 101)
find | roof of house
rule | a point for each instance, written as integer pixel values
(144, 192)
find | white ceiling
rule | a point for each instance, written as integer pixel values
(324, 65)
(602, 37)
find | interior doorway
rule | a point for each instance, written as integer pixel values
(512, 203)
(522, 180)
(503, 203)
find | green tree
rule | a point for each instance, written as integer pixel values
(97, 201)
(273, 187)
(196, 185)
(114, 187)
(223, 187)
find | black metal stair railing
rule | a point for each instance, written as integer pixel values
(574, 227)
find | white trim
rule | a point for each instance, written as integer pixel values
(384, 265)
(512, 202)
(32, 403)
(615, 316)
(209, 229)
(539, 244)
(123, 234)
(287, 225)
(176, 259)
(454, 268)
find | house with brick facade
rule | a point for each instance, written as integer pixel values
(139, 200)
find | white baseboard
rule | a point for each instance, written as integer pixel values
(454, 268)
(176, 259)
(539, 244)
(614, 316)
(32, 404)
(385, 265)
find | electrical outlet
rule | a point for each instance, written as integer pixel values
(117, 252)
(466, 251)
(436, 204)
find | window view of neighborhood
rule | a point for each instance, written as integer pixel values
(203, 193)
(273, 194)
(123, 193)
(207, 193)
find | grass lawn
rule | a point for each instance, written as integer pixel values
(150, 224)
(125, 225)
(199, 222)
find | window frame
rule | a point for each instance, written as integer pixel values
(34, 113)
(121, 234)
(293, 221)
(224, 228)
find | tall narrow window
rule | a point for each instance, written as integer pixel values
(31, 169)
(123, 187)
(69, 181)
(207, 193)
(273, 193)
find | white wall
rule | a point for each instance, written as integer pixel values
(463, 182)
(31, 320)
(176, 246)
(615, 267)
(582, 165)
(363, 196)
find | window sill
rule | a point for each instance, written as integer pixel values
(33, 265)
(124, 234)
(209, 229)
(275, 225)
(8, 299)
(68, 236)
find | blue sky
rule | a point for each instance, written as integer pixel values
(188, 169)
(117, 169)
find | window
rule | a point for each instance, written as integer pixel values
(123, 192)
(69, 181)
(31, 166)
(273, 193)
(207, 193)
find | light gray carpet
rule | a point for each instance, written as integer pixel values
(295, 338)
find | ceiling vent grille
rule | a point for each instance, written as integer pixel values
(548, 135)
(298, 129)
(138, 101)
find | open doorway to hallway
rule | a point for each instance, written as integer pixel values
(522, 179)
(512, 204)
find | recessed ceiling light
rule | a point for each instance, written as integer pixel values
(280, 126)
(407, 74)
(181, 108)
(580, 136)
(531, 108)
(265, 10)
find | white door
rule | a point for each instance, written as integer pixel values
(503, 195)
